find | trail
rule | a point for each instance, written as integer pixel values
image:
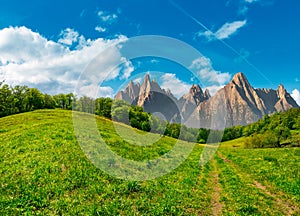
(281, 201)
(216, 191)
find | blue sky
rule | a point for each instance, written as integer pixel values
(47, 44)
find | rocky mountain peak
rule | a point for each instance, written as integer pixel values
(240, 80)
(281, 91)
(243, 103)
(195, 89)
(131, 84)
(285, 101)
(146, 86)
(207, 94)
(130, 94)
(147, 78)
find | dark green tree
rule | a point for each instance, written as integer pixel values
(34, 99)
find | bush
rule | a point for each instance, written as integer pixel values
(269, 139)
(202, 141)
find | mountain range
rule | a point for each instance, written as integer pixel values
(237, 103)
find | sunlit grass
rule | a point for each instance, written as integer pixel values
(43, 170)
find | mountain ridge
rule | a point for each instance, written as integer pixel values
(237, 103)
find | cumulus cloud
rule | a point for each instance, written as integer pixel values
(107, 17)
(296, 95)
(68, 36)
(100, 29)
(128, 69)
(244, 5)
(214, 88)
(28, 58)
(177, 87)
(227, 30)
(94, 91)
(203, 68)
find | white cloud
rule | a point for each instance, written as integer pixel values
(227, 30)
(28, 58)
(214, 88)
(138, 80)
(243, 10)
(177, 87)
(296, 95)
(68, 37)
(128, 69)
(107, 17)
(100, 29)
(245, 4)
(94, 91)
(203, 68)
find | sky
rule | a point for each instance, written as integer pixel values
(99, 45)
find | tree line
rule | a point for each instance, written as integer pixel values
(270, 131)
(276, 130)
(136, 117)
(19, 99)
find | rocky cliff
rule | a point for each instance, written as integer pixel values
(237, 103)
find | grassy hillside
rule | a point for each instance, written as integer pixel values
(44, 171)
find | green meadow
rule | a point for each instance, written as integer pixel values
(43, 171)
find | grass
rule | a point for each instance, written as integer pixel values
(43, 171)
(236, 143)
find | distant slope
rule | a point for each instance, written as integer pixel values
(276, 130)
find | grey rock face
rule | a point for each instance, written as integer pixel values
(237, 103)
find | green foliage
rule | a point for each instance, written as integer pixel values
(266, 140)
(34, 99)
(139, 119)
(7, 101)
(103, 107)
(157, 125)
(84, 104)
(271, 131)
(202, 135)
(120, 112)
(20, 99)
(232, 133)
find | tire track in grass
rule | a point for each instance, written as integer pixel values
(288, 208)
(239, 196)
(216, 191)
(282, 204)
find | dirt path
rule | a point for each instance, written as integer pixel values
(288, 208)
(281, 202)
(216, 191)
